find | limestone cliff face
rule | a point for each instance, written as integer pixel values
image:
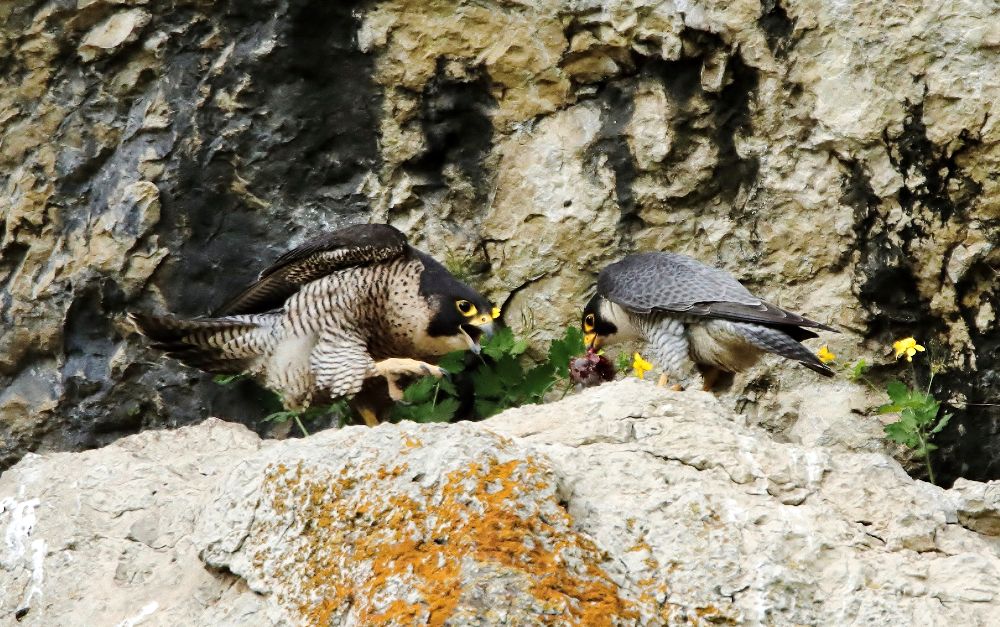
(840, 159)
(626, 505)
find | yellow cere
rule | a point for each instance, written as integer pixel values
(824, 355)
(908, 347)
(640, 366)
(495, 313)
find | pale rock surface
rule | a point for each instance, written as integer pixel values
(113, 32)
(626, 504)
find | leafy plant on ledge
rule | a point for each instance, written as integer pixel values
(920, 416)
(500, 378)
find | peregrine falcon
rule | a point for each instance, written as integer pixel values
(697, 321)
(345, 307)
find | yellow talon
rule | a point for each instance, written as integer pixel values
(370, 418)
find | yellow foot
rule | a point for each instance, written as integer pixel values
(662, 383)
(394, 368)
(369, 415)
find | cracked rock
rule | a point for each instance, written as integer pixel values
(626, 504)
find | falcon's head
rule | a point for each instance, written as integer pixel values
(460, 317)
(605, 322)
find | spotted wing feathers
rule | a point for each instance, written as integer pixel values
(360, 244)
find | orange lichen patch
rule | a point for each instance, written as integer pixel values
(411, 442)
(382, 550)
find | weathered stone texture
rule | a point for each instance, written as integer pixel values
(838, 158)
(626, 504)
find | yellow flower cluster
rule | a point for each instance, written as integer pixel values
(640, 366)
(824, 355)
(908, 347)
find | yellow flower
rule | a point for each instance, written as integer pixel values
(640, 366)
(824, 355)
(907, 346)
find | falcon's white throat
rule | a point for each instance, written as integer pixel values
(616, 315)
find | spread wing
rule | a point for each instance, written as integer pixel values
(650, 282)
(359, 244)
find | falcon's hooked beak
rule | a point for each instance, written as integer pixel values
(591, 340)
(480, 327)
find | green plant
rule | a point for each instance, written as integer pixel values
(226, 379)
(428, 400)
(503, 378)
(920, 416)
(623, 362)
(858, 371)
(340, 409)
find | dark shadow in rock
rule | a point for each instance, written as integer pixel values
(456, 120)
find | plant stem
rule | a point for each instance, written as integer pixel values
(927, 455)
(301, 427)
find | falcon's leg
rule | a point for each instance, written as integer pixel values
(369, 415)
(372, 403)
(395, 368)
(671, 353)
(340, 365)
(711, 377)
(664, 380)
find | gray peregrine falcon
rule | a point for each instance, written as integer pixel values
(689, 315)
(345, 307)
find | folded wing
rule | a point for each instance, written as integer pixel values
(356, 245)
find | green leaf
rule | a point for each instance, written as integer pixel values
(487, 384)
(500, 344)
(421, 391)
(888, 409)
(453, 362)
(898, 392)
(486, 408)
(538, 380)
(443, 411)
(561, 350)
(942, 423)
(623, 363)
(858, 370)
(226, 379)
(926, 414)
(519, 347)
(447, 387)
(899, 433)
(510, 371)
(908, 419)
(280, 416)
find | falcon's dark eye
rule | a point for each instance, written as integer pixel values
(588, 323)
(466, 308)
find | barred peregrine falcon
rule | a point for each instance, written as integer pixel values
(347, 306)
(689, 315)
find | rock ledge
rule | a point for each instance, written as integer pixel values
(623, 505)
